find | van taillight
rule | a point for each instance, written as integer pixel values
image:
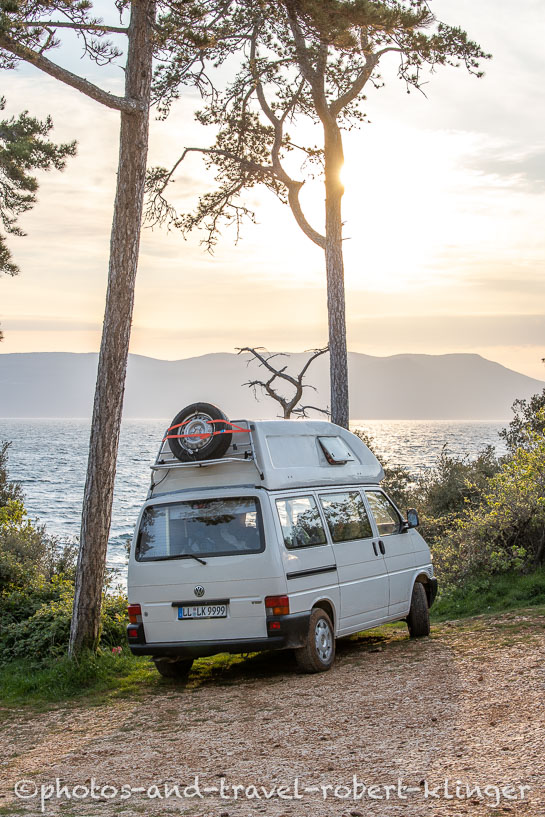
(277, 605)
(135, 613)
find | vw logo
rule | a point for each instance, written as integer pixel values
(199, 591)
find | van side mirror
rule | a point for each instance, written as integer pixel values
(412, 518)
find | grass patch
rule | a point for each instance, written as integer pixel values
(491, 594)
(97, 677)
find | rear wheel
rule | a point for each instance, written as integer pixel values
(318, 653)
(173, 668)
(193, 433)
(418, 620)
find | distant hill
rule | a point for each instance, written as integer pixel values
(405, 387)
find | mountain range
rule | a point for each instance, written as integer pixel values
(404, 387)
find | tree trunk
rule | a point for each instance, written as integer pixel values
(338, 360)
(112, 364)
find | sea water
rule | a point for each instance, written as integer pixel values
(49, 457)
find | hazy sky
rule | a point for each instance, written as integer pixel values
(444, 210)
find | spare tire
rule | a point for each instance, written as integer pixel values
(201, 420)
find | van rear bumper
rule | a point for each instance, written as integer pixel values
(291, 632)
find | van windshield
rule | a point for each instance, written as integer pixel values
(212, 527)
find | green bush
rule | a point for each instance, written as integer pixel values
(42, 635)
(456, 482)
(37, 586)
(27, 552)
(506, 530)
(529, 419)
(43, 632)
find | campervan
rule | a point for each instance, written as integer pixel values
(264, 535)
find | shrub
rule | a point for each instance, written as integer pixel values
(529, 419)
(37, 586)
(9, 490)
(27, 552)
(37, 622)
(506, 529)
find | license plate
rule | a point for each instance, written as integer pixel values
(203, 611)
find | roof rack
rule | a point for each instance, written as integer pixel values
(241, 449)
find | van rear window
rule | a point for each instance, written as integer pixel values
(212, 527)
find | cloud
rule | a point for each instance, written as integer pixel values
(522, 170)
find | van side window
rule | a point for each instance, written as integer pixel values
(301, 523)
(387, 518)
(346, 516)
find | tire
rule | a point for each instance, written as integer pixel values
(197, 417)
(418, 620)
(318, 653)
(169, 668)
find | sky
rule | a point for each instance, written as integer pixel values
(444, 212)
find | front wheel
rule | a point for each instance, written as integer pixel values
(169, 668)
(418, 620)
(318, 653)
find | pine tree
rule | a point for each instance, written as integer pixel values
(307, 60)
(24, 148)
(160, 29)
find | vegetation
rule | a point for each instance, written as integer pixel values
(24, 148)
(529, 419)
(37, 586)
(491, 594)
(305, 68)
(94, 675)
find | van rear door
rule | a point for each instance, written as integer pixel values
(200, 570)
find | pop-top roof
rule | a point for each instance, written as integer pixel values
(277, 455)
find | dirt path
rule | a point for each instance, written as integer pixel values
(467, 705)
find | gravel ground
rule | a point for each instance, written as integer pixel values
(465, 706)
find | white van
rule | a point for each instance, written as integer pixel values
(261, 535)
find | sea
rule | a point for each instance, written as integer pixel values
(48, 458)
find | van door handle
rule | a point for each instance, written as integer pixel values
(375, 549)
(381, 546)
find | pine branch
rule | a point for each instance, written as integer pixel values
(102, 29)
(357, 87)
(293, 187)
(79, 83)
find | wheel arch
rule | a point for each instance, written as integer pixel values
(424, 579)
(328, 607)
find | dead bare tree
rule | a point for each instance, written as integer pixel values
(288, 403)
